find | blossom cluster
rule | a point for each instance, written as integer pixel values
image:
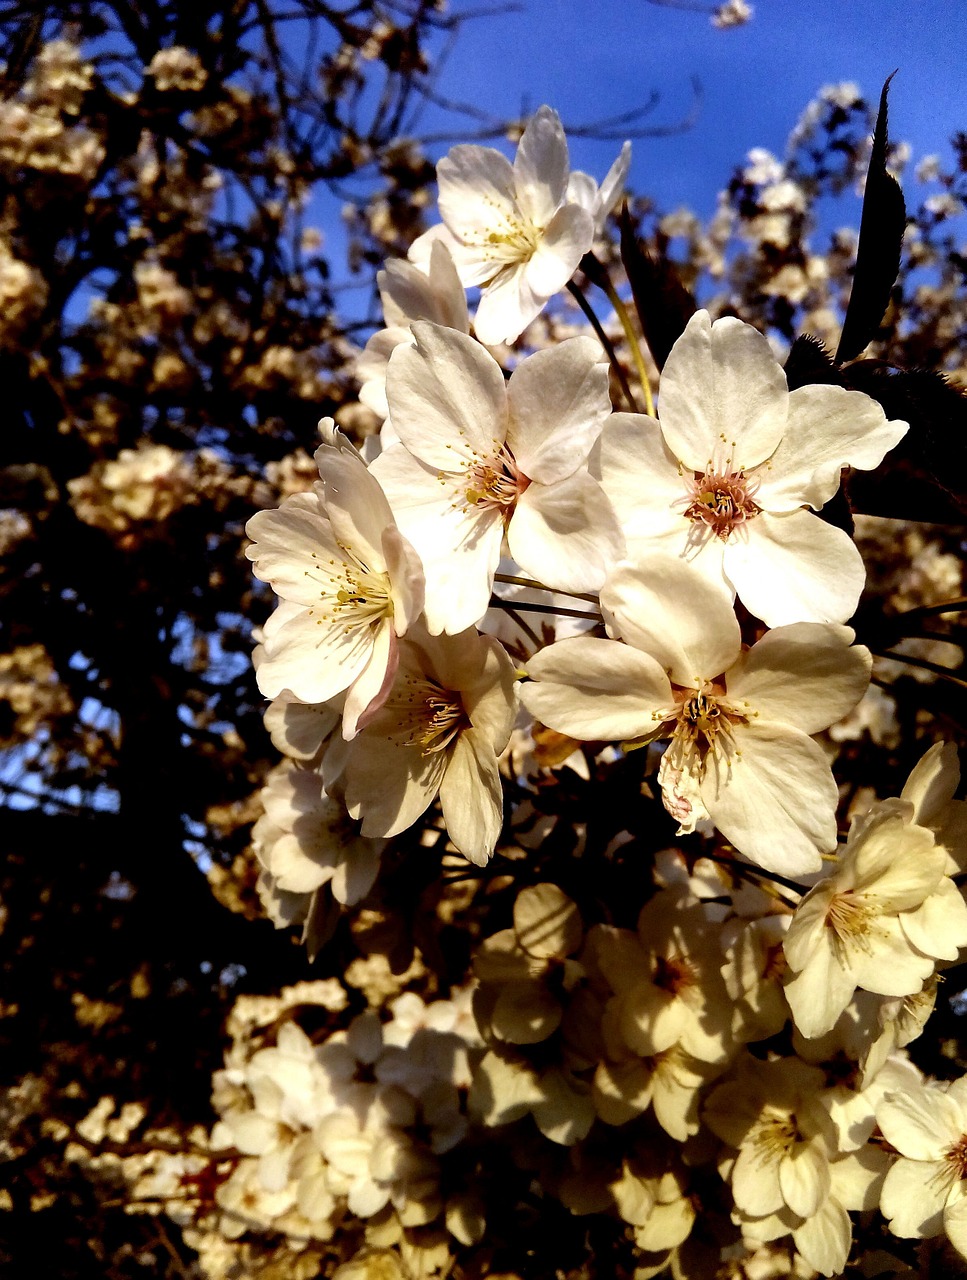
(694, 605)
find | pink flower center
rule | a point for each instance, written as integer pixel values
(495, 482)
(955, 1157)
(721, 500)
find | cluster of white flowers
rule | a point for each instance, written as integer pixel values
(692, 598)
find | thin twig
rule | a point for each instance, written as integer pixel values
(539, 586)
(933, 667)
(497, 603)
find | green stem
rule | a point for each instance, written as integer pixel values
(621, 311)
(575, 292)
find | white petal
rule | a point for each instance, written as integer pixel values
(939, 926)
(458, 544)
(288, 542)
(804, 1178)
(955, 1223)
(895, 860)
(596, 690)
(824, 1240)
(566, 239)
(776, 801)
(565, 534)
(723, 395)
(921, 1124)
(795, 568)
(356, 872)
(409, 294)
(913, 1198)
(642, 478)
(819, 994)
(471, 796)
(933, 783)
(387, 786)
(829, 428)
(666, 607)
(369, 690)
(446, 397)
(541, 166)
(805, 675)
(407, 583)
(507, 305)
(313, 657)
(476, 187)
(755, 1182)
(559, 401)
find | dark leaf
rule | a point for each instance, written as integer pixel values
(663, 303)
(809, 362)
(878, 252)
(925, 476)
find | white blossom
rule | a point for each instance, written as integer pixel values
(725, 476)
(510, 227)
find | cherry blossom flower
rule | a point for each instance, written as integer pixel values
(725, 477)
(479, 459)
(409, 293)
(925, 1192)
(930, 789)
(348, 581)
(446, 719)
(739, 723)
(772, 1114)
(510, 227)
(305, 840)
(880, 921)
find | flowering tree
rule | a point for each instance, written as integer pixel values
(607, 650)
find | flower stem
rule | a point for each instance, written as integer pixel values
(575, 291)
(497, 603)
(524, 626)
(933, 667)
(946, 606)
(539, 586)
(632, 340)
(744, 869)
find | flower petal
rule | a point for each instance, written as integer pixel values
(458, 544)
(666, 607)
(642, 478)
(565, 534)
(541, 166)
(723, 395)
(566, 239)
(913, 1198)
(795, 568)
(559, 401)
(920, 1123)
(596, 690)
(446, 397)
(471, 796)
(806, 675)
(476, 184)
(829, 428)
(775, 800)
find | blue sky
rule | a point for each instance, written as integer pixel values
(595, 58)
